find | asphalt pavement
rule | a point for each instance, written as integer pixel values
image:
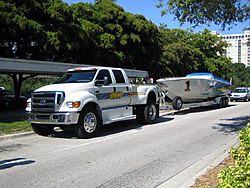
(183, 179)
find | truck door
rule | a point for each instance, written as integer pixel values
(103, 92)
(122, 89)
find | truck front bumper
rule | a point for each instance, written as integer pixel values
(238, 98)
(66, 118)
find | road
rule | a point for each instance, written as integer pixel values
(124, 154)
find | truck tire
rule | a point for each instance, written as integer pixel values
(147, 114)
(177, 103)
(42, 129)
(88, 124)
(139, 113)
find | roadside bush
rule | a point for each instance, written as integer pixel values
(238, 176)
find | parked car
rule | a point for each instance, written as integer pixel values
(240, 93)
(7, 99)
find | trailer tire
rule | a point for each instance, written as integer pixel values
(42, 129)
(147, 114)
(226, 102)
(88, 124)
(177, 103)
(223, 103)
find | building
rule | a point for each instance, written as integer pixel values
(238, 50)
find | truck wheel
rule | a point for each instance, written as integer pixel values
(42, 129)
(88, 124)
(177, 103)
(139, 110)
(147, 114)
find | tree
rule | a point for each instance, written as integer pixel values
(186, 52)
(127, 40)
(21, 31)
(102, 34)
(240, 75)
(197, 12)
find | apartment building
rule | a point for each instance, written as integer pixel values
(238, 50)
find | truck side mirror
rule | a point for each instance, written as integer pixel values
(106, 81)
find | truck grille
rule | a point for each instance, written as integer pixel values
(46, 101)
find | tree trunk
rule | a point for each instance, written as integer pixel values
(17, 80)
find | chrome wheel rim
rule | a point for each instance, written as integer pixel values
(90, 122)
(179, 103)
(152, 112)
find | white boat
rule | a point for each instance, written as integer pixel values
(195, 87)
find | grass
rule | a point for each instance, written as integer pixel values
(14, 125)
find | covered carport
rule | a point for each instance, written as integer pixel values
(20, 70)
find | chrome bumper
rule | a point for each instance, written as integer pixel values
(66, 118)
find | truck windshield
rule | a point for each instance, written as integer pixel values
(77, 77)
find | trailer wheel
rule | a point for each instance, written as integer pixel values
(147, 114)
(177, 103)
(88, 124)
(223, 103)
(42, 129)
(226, 102)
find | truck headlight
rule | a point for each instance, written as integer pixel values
(28, 104)
(74, 104)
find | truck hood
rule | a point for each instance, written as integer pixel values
(67, 87)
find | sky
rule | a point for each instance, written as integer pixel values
(148, 9)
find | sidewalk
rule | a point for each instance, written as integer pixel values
(186, 178)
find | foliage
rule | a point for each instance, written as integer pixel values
(197, 12)
(238, 176)
(186, 52)
(127, 40)
(103, 34)
(240, 75)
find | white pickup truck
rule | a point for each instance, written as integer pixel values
(88, 97)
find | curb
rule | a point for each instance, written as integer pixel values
(17, 135)
(186, 178)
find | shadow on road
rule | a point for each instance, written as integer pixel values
(108, 129)
(9, 163)
(197, 109)
(234, 124)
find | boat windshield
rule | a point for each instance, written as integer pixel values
(77, 77)
(239, 91)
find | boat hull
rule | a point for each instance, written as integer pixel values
(194, 89)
